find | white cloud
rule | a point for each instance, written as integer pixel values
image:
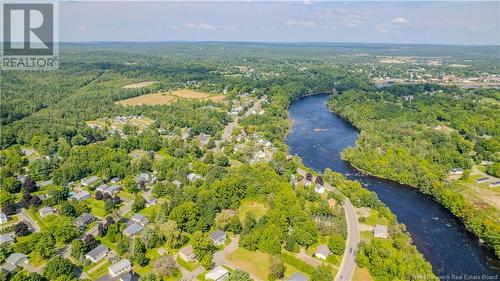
(207, 26)
(400, 21)
(83, 28)
(307, 2)
(382, 28)
(301, 23)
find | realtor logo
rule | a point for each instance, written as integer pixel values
(29, 36)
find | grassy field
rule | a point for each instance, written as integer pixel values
(139, 85)
(101, 269)
(255, 262)
(257, 208)
(362, 274)
(96, 207)
(190, 266)
(168, 97)
(374, 219)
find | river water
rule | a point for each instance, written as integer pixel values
(318, 136)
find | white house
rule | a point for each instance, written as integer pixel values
(193, 177)
(319, 188)
(82, 195)
(218, 237)
(17, 259)
(140, 219)
(322, 252)
(216, 274)
(119, 268)
(89, 181)
(380, 231)
(3, 218)
(187, 253)
(6, 239)
(97, 253)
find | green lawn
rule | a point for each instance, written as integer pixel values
(101, 270)
(190, 266)
(374, 219)
(255, 262)
(150, 212)
(35, 259)
(96, 207)
(253, 206)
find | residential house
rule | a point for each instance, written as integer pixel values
(187, 253)
(83, 220)
(177, 183)
(132, 230)
(203, 139)
(457, 171)
(102, 187)
(9, 268)
(140, 219)
(45, 211)
(128, 276)
(495, 184)
(120, 267)
(151, 202)
(482, 180)
(297, 276)
(22, 178)
(112, 190)
(218, 237)
(114, 180)
(192, 177)
(319, 188)
(89, 181)
(6, 239)
(97, 253)
(322, 252)
(3, 218)
(380, 231)
(80, 196)
(17, 259)
(217, 274)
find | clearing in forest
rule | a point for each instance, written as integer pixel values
(139, 85)
(168, 97)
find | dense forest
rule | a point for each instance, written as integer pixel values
(417, 134)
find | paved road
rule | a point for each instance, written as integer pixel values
(348, 264)
(24, 216)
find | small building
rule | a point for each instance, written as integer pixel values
(17, 259)
(89, 181)
(9, 268)
(218, 237)
(6, 239)
(140, 219)
(192, 177)
(318, 188)
(322, 252)
(457, 171)
(482, 180)
(83, 220)
(187, 253)
(112, 190)
(129, 276)
(101, 187)
(132, 230)
(495, 184)
(120, 267)
(45, 211)
(3, 218)
(217, 274)
(151, 202)
(380, 231)
(114, 180)
(97, 253)
(297, 276)
(177, 183)
(82, 195)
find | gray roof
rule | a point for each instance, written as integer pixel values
(8, 267)
(89, 180)
(119, 266)
(217, 235)
(97, 252)
(132, 229)
(187, 251)
(6, 238)
(297, 276)
(15, 258)
(323, 249)
(380, 229)
(129, 276)
(140, 219)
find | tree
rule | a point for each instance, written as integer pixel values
(67, 209)
(239, 275)
(165, 266)
(89, 241)
(78, 249)
(130, 184)
(45, 246)
(186, 216)
(322, 273)
(61, 228)
(138, 204)
(11, 185)
(309, 176)
(172, 234)
(4, 252)
(98, 195)
(276, 268)
(151, 238)
(9, 208)
(336, 244)
(21, 229)
(35, 201)
(319, 180)
(57, 266)
(148, 277)
(234, 225)
(203, 248)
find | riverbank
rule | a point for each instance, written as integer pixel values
(439, 235)
(362, 158)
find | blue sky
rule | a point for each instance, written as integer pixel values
(475, 23)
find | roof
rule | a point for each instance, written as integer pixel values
(119, 266)
(187, 251)
(380, 229)
(132, 229)
(6, 238)
(97, 252)
(217, 235)
(8, 267)
(216, 273)
(129, 276)
(323, 250)
(46, 210)
(297, 276)
(89, 180)
(3, 215)
(139, 218)
(15, 258)
(82, 194)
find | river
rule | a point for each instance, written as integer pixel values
(318, 136)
